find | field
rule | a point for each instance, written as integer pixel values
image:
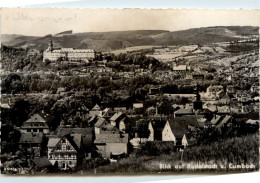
(129, 49)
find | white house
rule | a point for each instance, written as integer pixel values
(175, 134)
(37, 123)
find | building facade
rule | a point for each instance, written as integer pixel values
(71, 54)
(37, 123)
(65, 151)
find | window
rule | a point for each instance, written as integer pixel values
(68, 148)
(64, 141)
(40, 130)
(28, 130)
(35, 130)
(70, 163)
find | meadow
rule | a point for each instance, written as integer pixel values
(227, 155)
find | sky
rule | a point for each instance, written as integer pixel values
(43, 21)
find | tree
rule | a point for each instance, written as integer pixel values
(143, 131)
(20, 112)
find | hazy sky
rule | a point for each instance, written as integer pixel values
(40, 22)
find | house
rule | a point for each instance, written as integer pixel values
(111, 144)
(138, 105)
(86, 134)
(243, 96)
(176, 130)
(213, 91)
(37, 123)
(103, 126)
(180, 68)
(119, 120)
(65, 152)
(95, 111)
(98, 125)
(82, 112)
(107, 112)
(53, 54)
(34, 141)
(156, 128)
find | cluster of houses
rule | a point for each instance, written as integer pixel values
(105, 135)
(107, 132)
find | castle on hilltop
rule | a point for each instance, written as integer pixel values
(70, 54)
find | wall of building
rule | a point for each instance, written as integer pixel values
(37, 130)
(184, 141)
(151, 136)
(114, 148)
(53, 56)
(167, 134)
(68, 163)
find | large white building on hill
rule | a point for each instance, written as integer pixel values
(71, 54)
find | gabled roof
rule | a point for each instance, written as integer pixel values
(225, 120)
(100, 122)
(75, 139)
(184, 111)
(96, 108)
(190, 120)
(66, 131)
(95, 113)
(178, 128)
(36, 118)
(31, 138)
(116, 116)
(158, 125)
(111, 138)
(109, 129)
(53, 141)
(215, 120)
(86, 134)
(105, 111)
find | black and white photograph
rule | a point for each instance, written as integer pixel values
(129, 91)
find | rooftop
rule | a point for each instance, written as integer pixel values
(31, 138)
(111, 138)
(116, 116)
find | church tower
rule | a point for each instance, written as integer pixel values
(198, 103)
(50, 45)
